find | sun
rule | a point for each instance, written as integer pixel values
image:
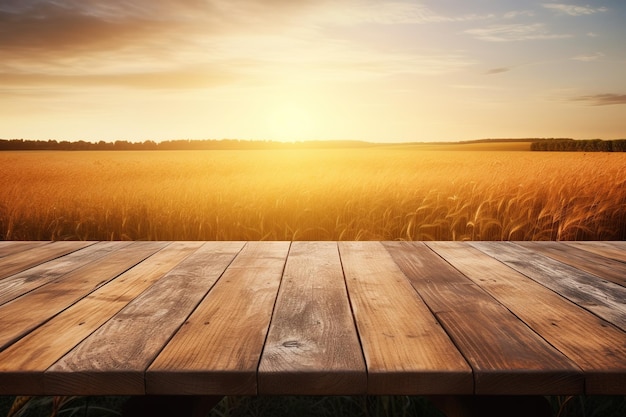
(290, 122)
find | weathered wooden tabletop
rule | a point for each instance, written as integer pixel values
(323, 318)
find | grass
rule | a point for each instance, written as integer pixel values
(61, 406)
(397, 406)
(381, 193)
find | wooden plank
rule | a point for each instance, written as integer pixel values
(22, 315)
(112, 361)
(26, 281)
(611, 270)
(23, 363)
(597, 347)
(519, 363)
(406, 350)
(218, 349)
(508, 359)
(613, 250)
(20, 261)
(312, 347)
(11, 247)
(442, 287)
(605, 299)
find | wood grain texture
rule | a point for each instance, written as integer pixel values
(230, 318)
(613, 250)
(508, 358)
(24, 362)
(11, 247)
(218, 349)
(596, 347)
(405, 348)
(440, 285)
(603, 298)
(30, 257)
(22, 315)
(312, 347)
(23, 282)
(112, 361)
(518, 363)
(611, 270)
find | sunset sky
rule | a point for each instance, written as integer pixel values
(375, 70)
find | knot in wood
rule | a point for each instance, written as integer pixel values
(291, 344)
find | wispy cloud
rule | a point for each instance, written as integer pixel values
(517, 13)
(73, 27)
(160, 44)
(472, 87)
(588, 57)
(34, 29)
(391, 12)
(142, 43)
(514, 32)
(606, 99)
(498, 70)
(573, 10)
(185, 78)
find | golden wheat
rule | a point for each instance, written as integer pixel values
(380, 193)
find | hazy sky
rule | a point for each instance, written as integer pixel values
(377, 70)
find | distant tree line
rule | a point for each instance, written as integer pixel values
(590, 145)
(543, 144)
(179, 144)
(491, 140)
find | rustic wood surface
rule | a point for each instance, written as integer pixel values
(312, 318)
(312, 346)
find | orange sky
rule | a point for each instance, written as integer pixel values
(387, 71)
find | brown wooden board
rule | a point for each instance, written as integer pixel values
(198, 318)
(11, 247)
(24, 362)
(218, 349)
(611, 270)
(509, 359)
(597, 347)
(21, 261)
(613, 250)
(604, 298)
(20, 316)
(521, 363)
(442, 287)
(312, 347)
(30, 279)
(113, 359)
(406, 350)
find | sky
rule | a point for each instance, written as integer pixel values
(373, 70)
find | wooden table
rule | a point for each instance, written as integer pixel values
(319, 318)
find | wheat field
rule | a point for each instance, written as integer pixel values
(445, 192)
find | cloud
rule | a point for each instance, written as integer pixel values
(137, 43)
(602, 99)
(516, 13)
(390, 13)
(185, 78)
(514, 33)
(58, 28)
(54, 29)
(588, 58)
(498, 70)
(472, 87)
(573, 10)
(160, 44)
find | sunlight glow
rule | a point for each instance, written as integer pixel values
(291, 122)
(373, 70)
